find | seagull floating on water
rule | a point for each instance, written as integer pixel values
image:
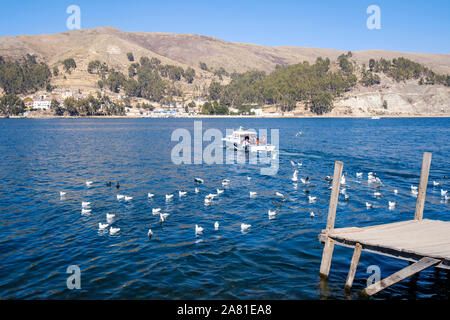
(110, 217)
(208, 201)
(216, 225)
(443, 192)
(113, 231)
(163, 217)
(305, 181)
(150, 233)
(272, 214)
(169, 196)
(249, 178)
(392, 204)
(312, 215)
(312, 199)
(150, 195)
(102, 226)
(359, 174)
(120, 197)
(414, 188)
(211, 196)
(117, 185)
(127, 198)
(225, 182)
(343, 181)
(253, 194)
(292, 163)
(219, 191)
(85, 211)
(346, 197)
(85, 204)
(395, 191)
(436, 184)
(369, 205)
(279, 194)
(245, 226)
(62, 194)
(182, 193)
(343, 190)
(377, 194)
(198, 230)
(89, 183)
(198, 180)
(196, 190)
(156, 211)
(295, 176)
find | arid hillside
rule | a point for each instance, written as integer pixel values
(111, 46)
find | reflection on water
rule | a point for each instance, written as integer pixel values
(42, 234)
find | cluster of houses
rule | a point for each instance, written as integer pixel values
(43, 102)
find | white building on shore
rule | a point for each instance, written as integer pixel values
(42, 104)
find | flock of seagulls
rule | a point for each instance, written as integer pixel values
(209, 198)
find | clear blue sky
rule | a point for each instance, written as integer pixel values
(415, 25)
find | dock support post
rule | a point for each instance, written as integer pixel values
(326, 258)
(353, 266)
(327, 253)
(338, 165)
(420, 203)
(414, 268)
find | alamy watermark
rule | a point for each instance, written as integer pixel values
(375, 275)
(374, 20)
(74, 280)
(73, 22)
(254, 147)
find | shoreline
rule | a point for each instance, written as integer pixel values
(234, 117)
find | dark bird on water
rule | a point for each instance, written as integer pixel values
(108, 183)
(117, 185)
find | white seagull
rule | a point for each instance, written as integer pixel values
(392, 204)
(312, 215)
(120, 197)
(85, 211)
(169, 196)
(196, 190)
(219, 191)
(127, 198)
(359, 174)
(198, 230)
(343, 181)
(113, 231)
(163, 217)
(377, 194)
(150, 195)
(89, 183)
(85, 204)
(295, 176)
(225, 182)
(414, 188)
(102, 226)
(395, 191)
(62, 194)
(110, 217)
(312, 199)
(150, 233)
(245, 226)
(182, 193)
(443, 192)
(368, 205)
(253, 194)
(216, 225)
(272, 214)
(279, 194)
(156, 211)
(436, 184)
(248, 178)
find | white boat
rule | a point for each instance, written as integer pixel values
(376, 118)
(246, 140)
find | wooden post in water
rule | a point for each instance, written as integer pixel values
(420, 203)
(338, 165)
(353, 266)
(329, 243)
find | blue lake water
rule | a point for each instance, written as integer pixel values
(42, 234)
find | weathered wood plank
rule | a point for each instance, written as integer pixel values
(326, 258)
(338, 165)
(414, 268)
(353, 266)
(420, 203)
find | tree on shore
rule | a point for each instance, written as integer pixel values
(69, 64)
(11, 105)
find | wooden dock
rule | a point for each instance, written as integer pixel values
(423, 242)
